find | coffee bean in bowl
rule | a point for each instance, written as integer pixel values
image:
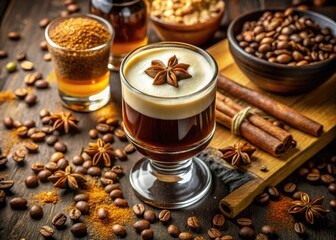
(284, 51)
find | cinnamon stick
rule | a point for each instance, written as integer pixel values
(255, 135)
(256, 120)
(272, 107)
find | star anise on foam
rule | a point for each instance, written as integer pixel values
(238, 154)
(67, 178)
(309, 209)
(171, 74)
(100, 151)
(64, 122)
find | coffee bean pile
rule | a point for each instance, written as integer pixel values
(287, 38)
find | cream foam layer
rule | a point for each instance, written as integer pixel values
(171, 107)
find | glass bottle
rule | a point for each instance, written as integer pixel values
(129, 19)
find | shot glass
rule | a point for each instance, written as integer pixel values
(82, 74)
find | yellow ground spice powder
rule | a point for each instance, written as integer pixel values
(80, 34)
(98, 198)
(46, 197)
(6, 96)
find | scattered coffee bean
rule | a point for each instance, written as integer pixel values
(42, 84)
(327, 179)
(55, 157)
(62, 163)
(262, 198)
(27, 65)
(332, 204)
(37, 167)
(3, 54)
(81, 197)
(101, 120)
(94, 171)
(149, 215)
(332, 188)
(44, 174)
(78, 160)
(30, 99)
(18, 203)
(44, 45)
(244, 221)
(46, 231)
(117, 193)
(60, 147)
(173, 230)
(102, 213)
(74, 214)
(21, 56)
(226, 237)
(6, 184)
(138, 209)
(93, 134)
(2, 196)
(47, 57)
(103, 128)
(299, 228)
(185, 236)
(290, 188)
(118, 169)
(11, 67)
(297, 195)
(51, 166)
(83, 207)
(14, 35)
(22, 131)
(129, 148)
(87, 164)
(263, 168)
(218, 220)
(59, 220)
(3, 161)
(8, 122)
(20, 155)
(73, 8)
(313, 177)
(46, 120)
(30, 79)
(112, 122)
(193, 222)
(31, 131)
(36, 212)
(21, 93)
(78, 229)
(106, 181)
(214, 233)
(246, 232)
(109, 188)
(268, 230)
(147, 234)
(64, 13)
(261, 236)
(273, 192)
(111, 175)
(120, 202)
(331, 168)
(44, 22)
(47, 129)
(120, 154)
(31, 181)
(31, 147)
(164, 215)
(44, 113)
(120, 134)
(81, 169)
(108, 138)
(141, 225)
(119, 230)
(38, 136)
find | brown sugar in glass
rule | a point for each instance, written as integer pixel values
(129, 20)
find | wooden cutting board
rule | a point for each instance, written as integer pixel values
(319, 104)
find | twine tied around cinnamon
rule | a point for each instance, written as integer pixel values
(238, 119)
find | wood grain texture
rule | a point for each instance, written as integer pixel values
(317, 105)
(24, 16)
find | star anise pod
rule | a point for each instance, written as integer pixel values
(67, 178)
(100, 151)
(64, 122)
(171, 74)
(310, 209)
(238, 154)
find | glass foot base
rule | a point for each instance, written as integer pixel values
(170, 186)
(86, 104)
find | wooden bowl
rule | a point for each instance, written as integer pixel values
(279, 78)
(196, 34)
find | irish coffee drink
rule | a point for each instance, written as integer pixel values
(169, 92)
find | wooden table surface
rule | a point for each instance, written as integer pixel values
(23, 16)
